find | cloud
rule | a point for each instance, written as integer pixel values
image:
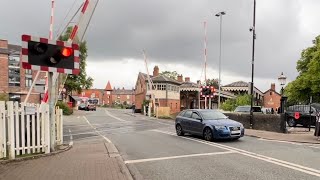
(172, 33)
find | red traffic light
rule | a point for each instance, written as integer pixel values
(66, 52)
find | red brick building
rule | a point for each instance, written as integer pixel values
(271, 98)
(16, 81)
(109, 96)
(165, 90)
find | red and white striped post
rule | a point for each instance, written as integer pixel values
(205, 60)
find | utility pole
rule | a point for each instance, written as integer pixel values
(253, 29)
(220, 14)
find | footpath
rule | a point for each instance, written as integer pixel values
(94, 159)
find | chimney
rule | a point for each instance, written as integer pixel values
(273, 86)
(187, 79)
(156, 71)
(180, 78)
(198, 82)
(122, 88)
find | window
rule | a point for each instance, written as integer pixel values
(28, 72)
(128, 96)
(28, 82)
(118, 96)
(195, 116)
(187, 114)
(108, 92)
(181, 113)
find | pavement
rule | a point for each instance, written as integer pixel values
(96, 159)
(299, 136)
(116, 144)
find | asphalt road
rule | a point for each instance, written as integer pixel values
(151, 150)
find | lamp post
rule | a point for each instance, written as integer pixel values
(220, 14)
(282, 80)
(253, 30)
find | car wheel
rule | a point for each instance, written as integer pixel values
(207, 134)
(179, 130)
(291, 122)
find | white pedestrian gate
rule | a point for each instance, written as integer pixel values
(25, 129)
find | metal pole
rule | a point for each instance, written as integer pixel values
(220, 62)
(252, 72)
(52, 91)
(310, 119)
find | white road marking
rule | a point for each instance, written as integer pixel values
(71, 138)
(271, 140)
(109, 114)
(115, 128)
(108, 140)
(176, 157)
(279, 162)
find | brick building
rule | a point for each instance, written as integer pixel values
(165, 90)
(272, 98)
(108, 96)
(15, 81)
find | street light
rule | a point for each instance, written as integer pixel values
(220, 14)
(253, 30)
(282, 80)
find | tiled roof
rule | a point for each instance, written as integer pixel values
(189, 84)
(238, 84)
(162, 78)
(108, 87)
(14, 49)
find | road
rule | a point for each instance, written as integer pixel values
(151, 150)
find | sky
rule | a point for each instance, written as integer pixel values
(172, 34)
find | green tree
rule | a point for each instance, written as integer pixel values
(81, 81)
(212, 82)
(308, 81)
(170, 74)
(231, 104)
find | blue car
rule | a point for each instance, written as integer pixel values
(208, 123)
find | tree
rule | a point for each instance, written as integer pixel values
(81, 81)
(308, 81)
(231, 104)
(170, 74)
(212, 82)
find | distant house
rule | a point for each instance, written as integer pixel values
(107, 96)
(271, 98)
(241, 87)
(165, 90)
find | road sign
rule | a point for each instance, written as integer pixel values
(207, 91)
(48, 55)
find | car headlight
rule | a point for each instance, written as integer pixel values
(241, 126)
(219, 127)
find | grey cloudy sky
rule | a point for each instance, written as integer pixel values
(172, 34)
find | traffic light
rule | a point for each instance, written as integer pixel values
(53, 56)
(206, 91)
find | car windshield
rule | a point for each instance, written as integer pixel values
(213, 115)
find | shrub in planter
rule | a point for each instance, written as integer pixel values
(65, 108)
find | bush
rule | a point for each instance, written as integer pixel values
(4, 97)
(65, 108)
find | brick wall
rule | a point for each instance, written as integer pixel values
(129, 98)
(4, 67)
(271, 99)
(139, 100)
(172, 103)
(33, 98)
(107, 98)
(267, 122)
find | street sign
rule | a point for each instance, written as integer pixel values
(28, 110)
(48, 55)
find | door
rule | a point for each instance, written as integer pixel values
(185, 121)
(196, 123)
